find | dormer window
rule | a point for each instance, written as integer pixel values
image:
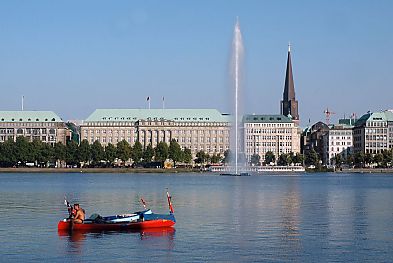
(37, 119)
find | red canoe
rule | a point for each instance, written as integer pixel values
(67, 226)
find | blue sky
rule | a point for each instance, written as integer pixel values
(75, 56)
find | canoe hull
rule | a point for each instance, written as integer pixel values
(67, 226)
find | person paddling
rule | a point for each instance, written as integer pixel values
(79, 214)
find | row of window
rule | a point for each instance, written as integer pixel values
(274, 125)
(268, 137)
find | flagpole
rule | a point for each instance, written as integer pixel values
(163, 103)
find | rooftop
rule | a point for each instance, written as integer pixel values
(132, 115)
(383, 116)
(29, 116)
(267, 118)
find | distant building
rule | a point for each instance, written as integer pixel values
(289, 104)
(276, 133)
(196, 129)
(312, 138)
(373, 132)
(337, 140)
(45, 126)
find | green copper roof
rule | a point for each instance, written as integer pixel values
(267, 118)
(210, 115)
(375, 116)
(29, 116)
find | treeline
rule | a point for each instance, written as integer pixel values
(359, 159)
(37, 153)
(283, 160)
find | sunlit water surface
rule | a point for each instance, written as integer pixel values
(310, 217)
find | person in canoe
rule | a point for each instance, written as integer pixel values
(79, 214)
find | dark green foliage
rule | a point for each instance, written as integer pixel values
(255, 159)
(72, 154)
(23, 150)
(84, 151)
(110, 153)
(298, 158)
(7, 154)
(201, 157)
(137, 152)
(148, 154)
(123, 151)
(269, 157)
(227, 156)
(187, 155)
(312, 158)
(97, 153)
(161, 152)
(215, 158)
(175, 153)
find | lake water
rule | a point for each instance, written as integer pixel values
(305, 218)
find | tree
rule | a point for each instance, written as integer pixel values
(148, 154)
(23, 151)
(350, 159)
(97, 153)
(201, 157)
(284, 159)
(298, 158)
(227, 156)
(215, 158)
(312, 158)
(42, 152)
(269, 157)
(124, 151)
(161, 152)
(368, 158)
(110, 153)
(84, 151)
(378, 158)
(137, 152)
(59, 152)
(359, 159)
(187, 155)
(338, 159)
(255, 159)
(175, 152)
(7, 155)
(72, 155)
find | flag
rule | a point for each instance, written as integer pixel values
(148, 98)
(163, 98)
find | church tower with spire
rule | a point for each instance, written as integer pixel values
(289, 104)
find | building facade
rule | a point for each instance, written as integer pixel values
(197, 129)
(42, 125)
(337, 141)
(276, 133)
(373, 132)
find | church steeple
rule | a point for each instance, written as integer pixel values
(289, 104)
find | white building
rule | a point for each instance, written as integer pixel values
(338, 140)
(276, 133)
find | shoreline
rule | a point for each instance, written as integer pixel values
(161, 170)
(97, 170)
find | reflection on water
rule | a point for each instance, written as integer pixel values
(290, 216)
(157, 238)
(311, 218)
